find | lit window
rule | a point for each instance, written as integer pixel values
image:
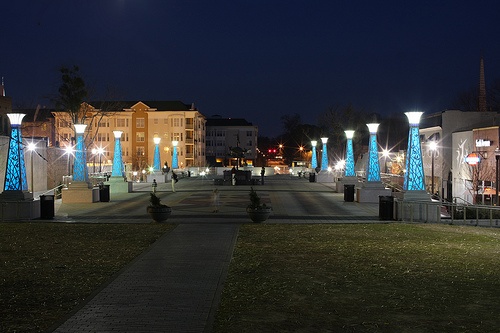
(139, 123)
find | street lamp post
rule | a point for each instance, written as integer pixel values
(324, 156)
(31, 148)
(432, 147)
(117, 169)
(414, 176)
(94, 152)
(100, 151)
(80, 166)
(385, 154)
(497, 157)
(69, 152)
(373, 166)
(156, 158)
(175, 161)
(349, 155)
(314, 160)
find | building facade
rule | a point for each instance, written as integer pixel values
(140, 122)
(228, 138)
(459, 134)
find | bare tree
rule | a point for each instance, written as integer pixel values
(339, 118)
(477, 173)
(74, 107)
(468, 100)
(72, 93)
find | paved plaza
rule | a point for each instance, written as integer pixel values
(175, 286)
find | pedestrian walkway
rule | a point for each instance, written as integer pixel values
(175, 286)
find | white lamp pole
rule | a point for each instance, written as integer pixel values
(32, 148)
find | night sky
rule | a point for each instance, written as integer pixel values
(253, 59)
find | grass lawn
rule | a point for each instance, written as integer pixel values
(46, 269)
(362, 278)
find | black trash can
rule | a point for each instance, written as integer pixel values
(385, 207)
(104, 193)
(46, 207)
(348, 193)
(312, 177)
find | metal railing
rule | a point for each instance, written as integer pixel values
(447, 212)
(57, 191)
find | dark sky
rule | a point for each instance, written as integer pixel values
(254, 59)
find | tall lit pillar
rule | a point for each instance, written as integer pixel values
(414, 177)
(373, 167)
(314, 160)
(15, 172)
(156, 160)
(17, 202)
(373, 188)
(175, 160)
(324, 156)
(117, 156)
(80, 173)
(349, 158)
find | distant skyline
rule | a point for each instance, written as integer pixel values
(257, 60)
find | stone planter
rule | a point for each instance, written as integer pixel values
(159, 214)
(259, 214)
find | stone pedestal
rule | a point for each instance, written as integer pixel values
(324, 177)
(417, 206)
(345, 181)
(80, 192)
(18, 205)
(118, 185)
(160, 178)
(370, 192)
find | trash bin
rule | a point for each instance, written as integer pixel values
(104, 193)
(312, 177)
(348, 193)
(46, 207)
(385, 207)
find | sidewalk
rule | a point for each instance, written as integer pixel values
(173, 287)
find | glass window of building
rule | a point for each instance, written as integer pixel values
(139, 123)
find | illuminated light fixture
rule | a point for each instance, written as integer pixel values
(414, 177)
(156, 159)
(349, 158)
(15, 172)
(324, 157)
(314, 160)
(117, 170)
(32, 148)
(175, 160)
(80, 173)
(473, 159)
(373, 168)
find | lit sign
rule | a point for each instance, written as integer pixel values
(472, 159)
(483, 143)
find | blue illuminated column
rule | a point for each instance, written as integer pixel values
(373, 167)
(175, 160)
(324, 156)
(15, 172)
(349, 158)
(314, 160)
(156, 160)
(80, 173)
(117, 156)
(414, 176)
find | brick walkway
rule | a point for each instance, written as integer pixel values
(170, 288)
